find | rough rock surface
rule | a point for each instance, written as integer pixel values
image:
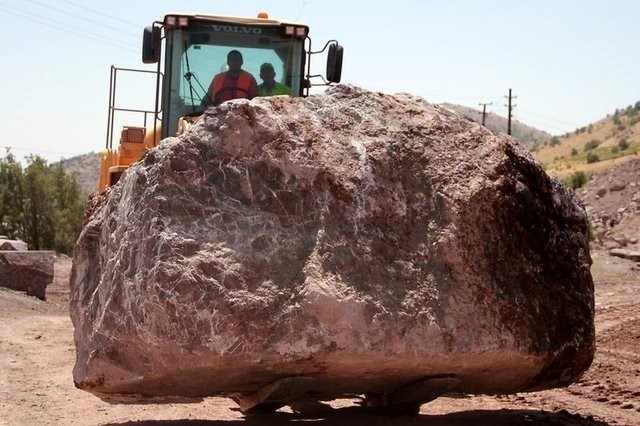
(612, 202)
(361, 240)
(29, 271)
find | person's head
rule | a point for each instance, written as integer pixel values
(234, 60)
(267, 73)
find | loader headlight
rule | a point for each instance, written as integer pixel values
(172, 21)
(293, 31)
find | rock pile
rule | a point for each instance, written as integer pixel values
(352, 242)
(612, 201)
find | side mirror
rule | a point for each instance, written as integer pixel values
(151, 38)
(334, 62)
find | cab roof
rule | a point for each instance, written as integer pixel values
(235, 19)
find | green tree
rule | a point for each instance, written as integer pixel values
(39, 204)
(38, 207)
(11, 209)
(68, 207)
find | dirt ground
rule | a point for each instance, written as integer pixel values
(37, 356)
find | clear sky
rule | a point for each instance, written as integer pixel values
(569, 62)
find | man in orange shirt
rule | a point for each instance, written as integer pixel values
(231, 84)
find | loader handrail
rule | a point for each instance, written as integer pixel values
(113, 108)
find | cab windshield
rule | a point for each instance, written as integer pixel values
(196, 54)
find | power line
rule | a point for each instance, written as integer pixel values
(546, 118)
(92, 21)
(304, 4)
(473, 98)
(65, 28)
(104, 15)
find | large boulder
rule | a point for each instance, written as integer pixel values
(25, 270)
(346, 242)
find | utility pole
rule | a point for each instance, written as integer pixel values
(511, 107)
(484, 110)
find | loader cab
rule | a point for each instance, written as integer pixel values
(196, 48)
(189, 50)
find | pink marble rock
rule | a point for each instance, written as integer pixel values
(26, 270)
(350, 242)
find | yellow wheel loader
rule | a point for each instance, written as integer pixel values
(189, 50)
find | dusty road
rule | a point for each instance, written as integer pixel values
(37, 355)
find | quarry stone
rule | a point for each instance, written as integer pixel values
(28, 271)
(349, 242)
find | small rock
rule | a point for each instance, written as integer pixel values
(621, 240)
(617, 186)
(611, 245)
(601, 192)
(6, 244)
(625, 254)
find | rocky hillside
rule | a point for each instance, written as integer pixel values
(594, 148)
(86, 169)
(526, 135)
(612, 200)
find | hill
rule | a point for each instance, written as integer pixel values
(526, 135)
(86, 169)
(599, 146)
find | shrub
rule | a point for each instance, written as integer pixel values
(592, 158)
(576, 180)
(592, 144)
(623, 144)
(574, 152)
(554, 141)
(614, 149)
